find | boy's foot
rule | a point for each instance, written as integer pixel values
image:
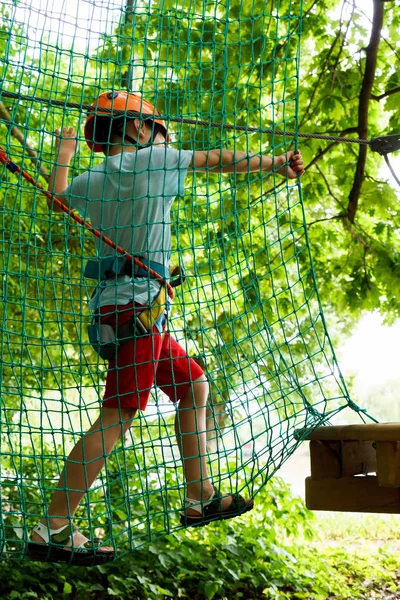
(216, 508)
(66, 544)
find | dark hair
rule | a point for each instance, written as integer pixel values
(106, 128)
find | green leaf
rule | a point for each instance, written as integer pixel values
(210, 589)
(67, 589)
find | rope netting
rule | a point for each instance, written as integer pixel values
(248, 312)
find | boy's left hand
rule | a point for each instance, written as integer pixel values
(295, 166)
(66, 142)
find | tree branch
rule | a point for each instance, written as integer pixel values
(19, 136)
(342, 216)
(365, 95)
(307, 12)
(349, 228)
(344, 37)
(329, 190)
(319, 80)
(385, 94)
(393, 48)
(329, 146)
(324, 219)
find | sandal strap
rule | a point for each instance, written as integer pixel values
(200, 505)
(237, 505)
(59, 536)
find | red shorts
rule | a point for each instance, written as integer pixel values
(143, 361)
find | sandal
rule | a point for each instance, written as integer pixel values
(53, 547)
(211, 509)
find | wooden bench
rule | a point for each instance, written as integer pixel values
(354, 468)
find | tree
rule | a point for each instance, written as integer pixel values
(350, 87)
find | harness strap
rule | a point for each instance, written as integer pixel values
(113, 266)
(106, 340)
(127, 331)
(144, 320)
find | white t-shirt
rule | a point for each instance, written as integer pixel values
(128, 198)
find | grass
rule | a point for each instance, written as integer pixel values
(357, 530)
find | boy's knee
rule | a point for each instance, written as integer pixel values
(201, 382)
(128, 414)
(127, 418)
(198, 392)
(114, 416)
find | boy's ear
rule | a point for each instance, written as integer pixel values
(138, 127)
(133, 127)
(144, 127)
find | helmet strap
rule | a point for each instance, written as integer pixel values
(131, 140)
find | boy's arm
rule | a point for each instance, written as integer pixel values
(66, 146)
(228, 161)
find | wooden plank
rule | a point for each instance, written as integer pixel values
(384, 432)
(334, 459)
(388, 463)
(352, 494)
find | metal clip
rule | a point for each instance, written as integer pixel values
(385, 144)
(179, 275)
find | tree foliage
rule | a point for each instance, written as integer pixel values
(272, 554)
(355, 245)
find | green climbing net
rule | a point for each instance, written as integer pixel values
(249, 310)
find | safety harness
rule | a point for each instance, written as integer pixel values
(107, 340)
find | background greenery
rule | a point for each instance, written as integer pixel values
(276, 552)
(273, 553)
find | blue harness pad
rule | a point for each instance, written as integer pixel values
(112, 266)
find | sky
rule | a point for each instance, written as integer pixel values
(74, 21)
(372, 351)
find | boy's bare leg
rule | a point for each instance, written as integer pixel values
(190, 429)
(83, 465)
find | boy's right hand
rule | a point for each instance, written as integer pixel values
(66, 142)
(291, 164)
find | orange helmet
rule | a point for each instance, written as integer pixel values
(120, 100)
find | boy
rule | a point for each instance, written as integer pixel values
(128, 198)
